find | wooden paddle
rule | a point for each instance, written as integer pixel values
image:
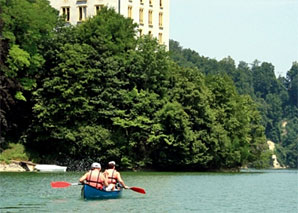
(62, 184)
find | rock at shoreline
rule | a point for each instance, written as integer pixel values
(276, 164)
(17, 166)
(11, 167)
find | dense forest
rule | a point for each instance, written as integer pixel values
(95, 91)
(276, 98)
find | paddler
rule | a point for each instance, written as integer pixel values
(113, 177)
(94, 177)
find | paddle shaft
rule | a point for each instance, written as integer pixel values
(63, 184)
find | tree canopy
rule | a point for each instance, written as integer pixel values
(26, 26)
(98, 92)
(275, 98)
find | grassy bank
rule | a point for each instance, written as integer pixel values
(14, 152)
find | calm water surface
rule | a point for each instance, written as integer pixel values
(248, 191)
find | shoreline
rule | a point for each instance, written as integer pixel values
(27, 166)
(17, 166)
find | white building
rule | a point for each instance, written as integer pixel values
(152, 16)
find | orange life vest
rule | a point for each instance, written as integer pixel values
(93, 179)
(112, 178)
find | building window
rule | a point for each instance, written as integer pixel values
(129, 13)
(66, 13)
(160, 4)
(141, 16)
(160, 21)
(151, 2)
(150, 14)
(150, 34)
(98, 8)
(160, 38)
(141, 1)
(82, 13)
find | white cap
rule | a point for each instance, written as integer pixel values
(112, 162)
(95, 166)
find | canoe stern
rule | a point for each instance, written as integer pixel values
(89, 192)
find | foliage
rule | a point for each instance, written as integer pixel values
(276, 99)
(292, 84)
(13, 152)
(26, 25)
(86, 80)
(287, 151)
(185, 121)
(104, 94)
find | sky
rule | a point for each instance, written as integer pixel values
(245, 30)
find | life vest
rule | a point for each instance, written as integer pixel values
(112, 178)
(93, 179)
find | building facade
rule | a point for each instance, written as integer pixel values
(152, 16)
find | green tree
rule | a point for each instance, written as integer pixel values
(184, 122)
(287, 150)
(189, 58)
(241, 139)
(26, 25)
(104, 91)
(274, 117)
(264, 79)
(243, 79)
(275, 99)
(82, 90)
(292, 84)
(147, 71)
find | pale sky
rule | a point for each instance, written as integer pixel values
(266, 30)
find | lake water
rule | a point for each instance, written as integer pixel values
(247, 191)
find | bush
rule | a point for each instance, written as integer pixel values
(13, 152)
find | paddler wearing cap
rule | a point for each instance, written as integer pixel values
(94, 177)
(113, 177)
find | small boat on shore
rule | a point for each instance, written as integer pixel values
(89, 192)
(50, 168)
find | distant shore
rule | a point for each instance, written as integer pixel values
(19, 166)
(25, 166)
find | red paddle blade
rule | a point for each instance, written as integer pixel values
(60, 184)
(138, 189)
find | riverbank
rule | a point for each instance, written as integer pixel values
(16, 151)
(28, 166)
